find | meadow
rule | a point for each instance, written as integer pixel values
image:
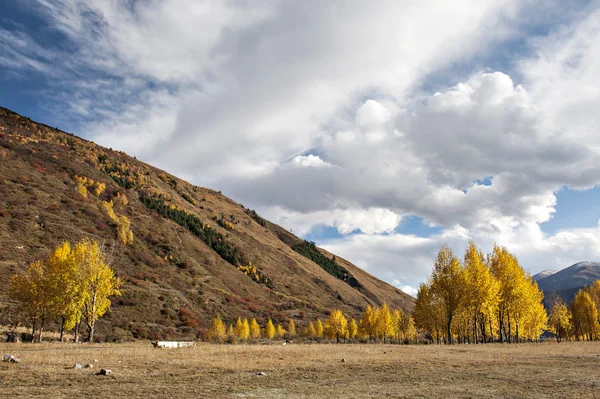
(545, 370)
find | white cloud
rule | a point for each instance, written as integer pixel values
(368, 221)
(309, 161)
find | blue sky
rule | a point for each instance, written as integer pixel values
(380, 132)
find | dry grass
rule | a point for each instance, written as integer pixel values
(546, 370)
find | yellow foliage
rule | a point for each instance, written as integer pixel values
(254, 329)
(81, 189)
(280, 331)
(242, 329)
(336, 325)
(216, 332)
(269, 330)
(108, 208)
(124, 235)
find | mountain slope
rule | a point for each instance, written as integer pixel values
(568, 281)
(195, 253)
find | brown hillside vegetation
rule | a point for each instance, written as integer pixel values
(186, 253)
(548, 370)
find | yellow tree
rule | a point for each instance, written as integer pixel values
(310, 330)
(65, 285)
(426, 312)
(447, 284)
(585, 316)
(254, 329)
(124, 234)
(98, 282)
(511, 278)
(269, 330)
(352, 328)
(217, 332)
(367, 323)
(32, 293)
(291, 330)
(231, 333)
(242, 329)
(481, 293)
(384, 326)
(336, 325)
(559, 322)
(279, 331)
(319, 330)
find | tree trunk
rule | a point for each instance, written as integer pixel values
(500, 327)
(77, 324)
(41, 330)
(449, 330)
(33, 325)
(475, 336)
(62, 329)
(509, 329)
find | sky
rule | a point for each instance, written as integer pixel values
(382, 130)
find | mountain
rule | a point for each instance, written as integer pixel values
(543, 274)
(194, 253)
(566, 282)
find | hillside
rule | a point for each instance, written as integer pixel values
(568, 281)
(195, 253)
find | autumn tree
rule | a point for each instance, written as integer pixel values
(352, 329)
(447, 284)
(310, 331)
(319, 330)
(427, 313)
(336, 324)
(291, 330)
(269, 330)
(217, 332)
(367, 324)
(482, 292)
(66, 286)
(559, 320)
(279, 331)
(32, 294)
(242, 329)
(98, 282)
(73, 283)
(124, 234)
(585, 316)
(254, 330)
(384, 326)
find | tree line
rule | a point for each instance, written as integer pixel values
(580, 320)
(480, 299)
(376, 324)
(72, 286)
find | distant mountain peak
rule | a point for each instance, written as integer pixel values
(544, 274)
(584, 263)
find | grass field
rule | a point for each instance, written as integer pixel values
(548, 370)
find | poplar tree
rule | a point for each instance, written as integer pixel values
(447, 284)
(269, 330)
(367, 322)
(291, 330)
(254, 330)
(384, 326)
(319, 329)
(217, 332)
(336, 325)
(352, 329)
